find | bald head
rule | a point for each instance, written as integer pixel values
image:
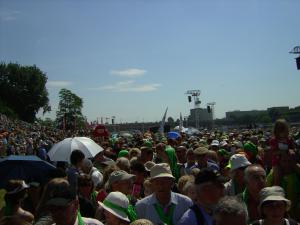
(255, 177)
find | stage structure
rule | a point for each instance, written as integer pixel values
(296, 50)
(194, 95)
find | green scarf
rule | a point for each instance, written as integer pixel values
(129, 211)
(79, 218)
(94, 196)
(173, 161)
(166, 219)
(245, 196)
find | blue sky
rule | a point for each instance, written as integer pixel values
(133, 58)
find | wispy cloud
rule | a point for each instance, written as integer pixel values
(58, 83)
(129, 86)
(130, 72)
(8, 15)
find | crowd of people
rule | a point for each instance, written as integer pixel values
(236, 177)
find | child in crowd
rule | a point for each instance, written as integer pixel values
(280, 144)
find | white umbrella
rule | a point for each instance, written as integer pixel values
(183, 129)
(61, 151)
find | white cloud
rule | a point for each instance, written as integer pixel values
(58, 83)
(8, 15)
(130, 72)
(129, 86)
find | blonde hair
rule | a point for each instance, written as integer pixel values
(142, 222)
(182, 182)
(280, 126)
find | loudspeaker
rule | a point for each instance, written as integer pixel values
(298, 63)
(190, 98)
(208, 109)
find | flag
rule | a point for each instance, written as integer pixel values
(162, 123)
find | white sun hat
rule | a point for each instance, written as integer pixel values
(238, 161)
(117, 204)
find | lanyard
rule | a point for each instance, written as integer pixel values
(80, 220)
(165, 218)
(94, 196)
(245, 196)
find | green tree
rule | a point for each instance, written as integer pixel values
(171, 122)
(69, 109)
(47, 122)
(23, 90)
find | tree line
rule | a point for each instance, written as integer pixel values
(23, 93)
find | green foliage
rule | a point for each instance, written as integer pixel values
(23, 90)
(171, 121)
(47, 122)
(69, 109)
(4, 109)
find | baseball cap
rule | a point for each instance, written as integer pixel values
(215, 143)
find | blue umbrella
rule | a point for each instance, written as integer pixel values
(28, 168)
(173, 135)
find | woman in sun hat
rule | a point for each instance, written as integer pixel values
(273, 207)
(15, 194)
(117, 209)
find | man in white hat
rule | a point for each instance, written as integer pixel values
(215, 145)
(163, 206)
(237, 164)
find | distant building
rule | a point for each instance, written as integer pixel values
(273, 113)
(238, 114)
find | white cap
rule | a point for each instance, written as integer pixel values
(215, 143)
(238, 161)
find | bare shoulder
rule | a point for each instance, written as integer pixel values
(28, 216)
